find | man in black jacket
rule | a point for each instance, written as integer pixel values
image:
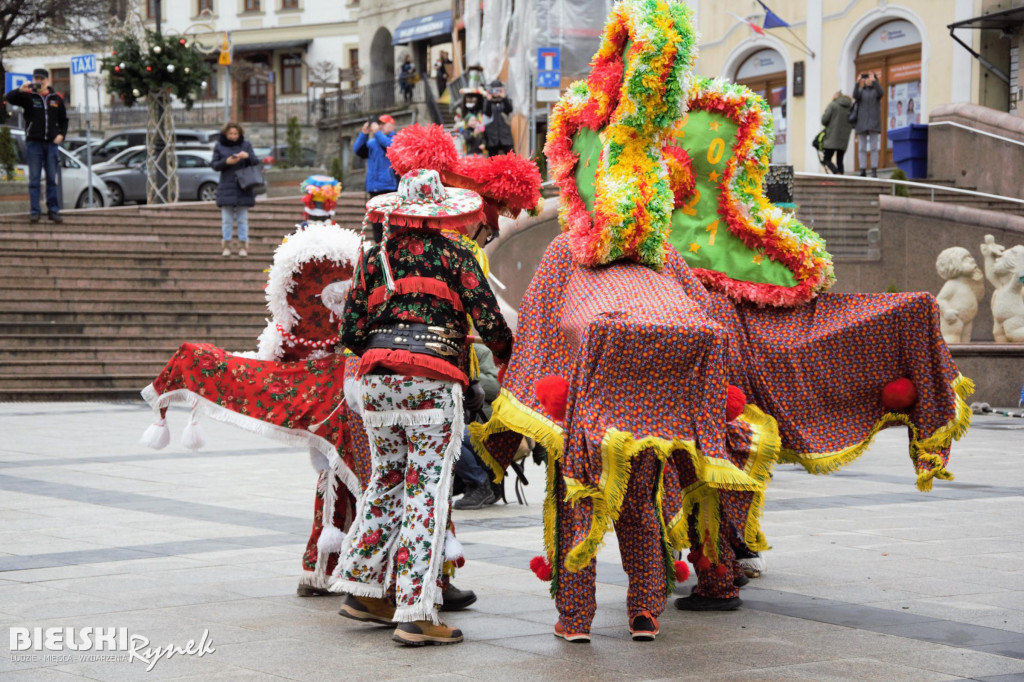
(497, 133)
(46, 124)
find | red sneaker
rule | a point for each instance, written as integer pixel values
(578, 637)
(644, 627)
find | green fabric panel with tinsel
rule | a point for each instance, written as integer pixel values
(699, 232)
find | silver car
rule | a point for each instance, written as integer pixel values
(74, 178)
(197, 181)
(132, 157)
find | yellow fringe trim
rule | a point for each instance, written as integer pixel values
(508, 414)
(921, 451)
(764, 450)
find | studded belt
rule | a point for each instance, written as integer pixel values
(439, 342)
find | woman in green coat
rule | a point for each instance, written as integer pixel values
(837, 131)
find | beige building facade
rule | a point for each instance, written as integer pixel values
(829, 42)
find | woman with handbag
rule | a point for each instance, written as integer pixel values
(836, 120)
(231, 154)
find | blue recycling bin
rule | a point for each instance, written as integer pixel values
(910, 149)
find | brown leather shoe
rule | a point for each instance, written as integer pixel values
(423, 632)
(368, 609)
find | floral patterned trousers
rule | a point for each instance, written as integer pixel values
(403, 513)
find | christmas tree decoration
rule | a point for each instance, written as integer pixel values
(151, 63)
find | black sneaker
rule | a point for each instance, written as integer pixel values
(697, 602)
(456, 599)
(55, 217)
(34, 218)
(740, 580)
(476, 497)
(644, 627)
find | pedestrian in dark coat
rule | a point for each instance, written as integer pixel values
(498, 132)
(868, 95)
(836, 120)
(231, 152)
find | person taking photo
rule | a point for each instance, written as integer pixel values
(46, 124)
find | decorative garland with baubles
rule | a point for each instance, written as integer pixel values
(168, 63)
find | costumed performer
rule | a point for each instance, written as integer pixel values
(645, 164)
(406, 318)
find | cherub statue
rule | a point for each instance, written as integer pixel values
(1001, 268)
(960, 295)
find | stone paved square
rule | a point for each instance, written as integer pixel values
(868, 578)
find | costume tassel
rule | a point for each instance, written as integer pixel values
(193, 438)
(157, 435)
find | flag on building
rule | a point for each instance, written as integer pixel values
(771, 19)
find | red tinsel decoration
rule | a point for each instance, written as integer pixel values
(509, 180)
(702, 563)
(735, 401)
(553, 394)
(541, 567)
(682, 571)
(419, 146)
(899, 395)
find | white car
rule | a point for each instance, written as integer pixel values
(74, 178)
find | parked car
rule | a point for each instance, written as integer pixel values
(270, 157)
(121, 140)
(79, 151)
(134, 156)
(74, 178)
(197, 181)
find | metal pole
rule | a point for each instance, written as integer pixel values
(88, 136)
(227, 88)
(272, 91)
(532, 99)
(161, 159)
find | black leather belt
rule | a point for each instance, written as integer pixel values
(418, 338)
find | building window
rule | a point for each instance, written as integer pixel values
(204, 6)
(60, 81)
(289, 4)
(151, 9)
(252, 5)
(291, 74)
(211, 82)
(353, 63)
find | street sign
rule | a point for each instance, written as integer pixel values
(225, 52)
(549, 67)
(83, 64)
(549, 59)
(548, 94)
(549, 79)
(13, 81)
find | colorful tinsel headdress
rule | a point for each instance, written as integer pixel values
(647, 155)
(320, 195)
(508, 183)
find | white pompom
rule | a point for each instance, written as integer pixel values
(193, 438)
(157, 436)
(330, 540)
(453, 549)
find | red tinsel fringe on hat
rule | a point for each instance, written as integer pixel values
(428, 147)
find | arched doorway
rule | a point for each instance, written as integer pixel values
(764, 72)
(382, 57)
(893, 51)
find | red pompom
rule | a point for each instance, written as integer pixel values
(682, 571)
(735, 401)
(703, 564)
(692, 556)
(428, 147)
(899, 395)
(541, 567)
(510, 181)
(460, 562)
(721, 570)
(553, 393)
